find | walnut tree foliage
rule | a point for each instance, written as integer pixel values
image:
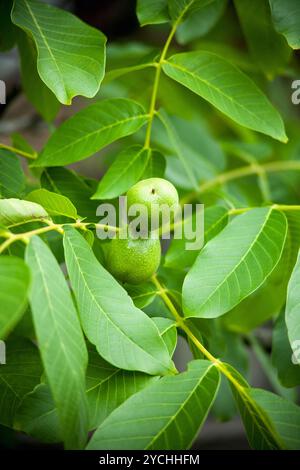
(208, 107)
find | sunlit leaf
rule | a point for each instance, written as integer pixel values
(68, 66)
(90, 130)
(228, 89)
(165, 415)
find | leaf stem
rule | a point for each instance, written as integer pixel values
(162, 291)
(252, 169)
(242, 390)
(25, 236)
(30, 156)
(152, 110)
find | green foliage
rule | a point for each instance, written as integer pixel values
(66, 66)
(132, 341)
(236, 95)
(53, 311)
(199, 104)
(14, 276)
(12, 180)
(285, 16)
(90, 130)
(176, 407)
(245, 264)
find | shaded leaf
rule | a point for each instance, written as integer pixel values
(156, 166)
(260, 430)
(39, 95)
(141, 294)
(292, 313)
(12, 180)
(152, 12)
(21, 373)
(182, 9)
(177, 256)
(269, 50)
(282, 353)
(201, 22)
(102, 378)
(284, 415)
(14, 281)
(168, 331)
(124, 172)
(38, 417)
(70, 184)
(7, 29)
(286, 20)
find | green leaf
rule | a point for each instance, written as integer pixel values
(199, 150)
(177, 146)
(201, 22)
(54, 204)
(165, 415)
(265, 361)
(152, 12)
(265, 302)
(90, 130)
(142, 294)
(60, 341)
(228, 89)
(21, 143)
(156, 166)
(235, 263)
(37, 92)
(123, 335)
(182, 9)
(284, 415)
(19, 376)
(102, 378)
(292, 313)
(16, 211)
(12, 180)
(230, 348)
(215, 219)
(288, 373)
(7, 29)
(70, 54)
(286, 20)
(268, 49)
(37, 416)
(260, 430)
(71, 185)
(168, 331)
(125, 171)
(14, 281)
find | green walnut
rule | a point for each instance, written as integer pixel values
(152, 191)
(133, 260)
